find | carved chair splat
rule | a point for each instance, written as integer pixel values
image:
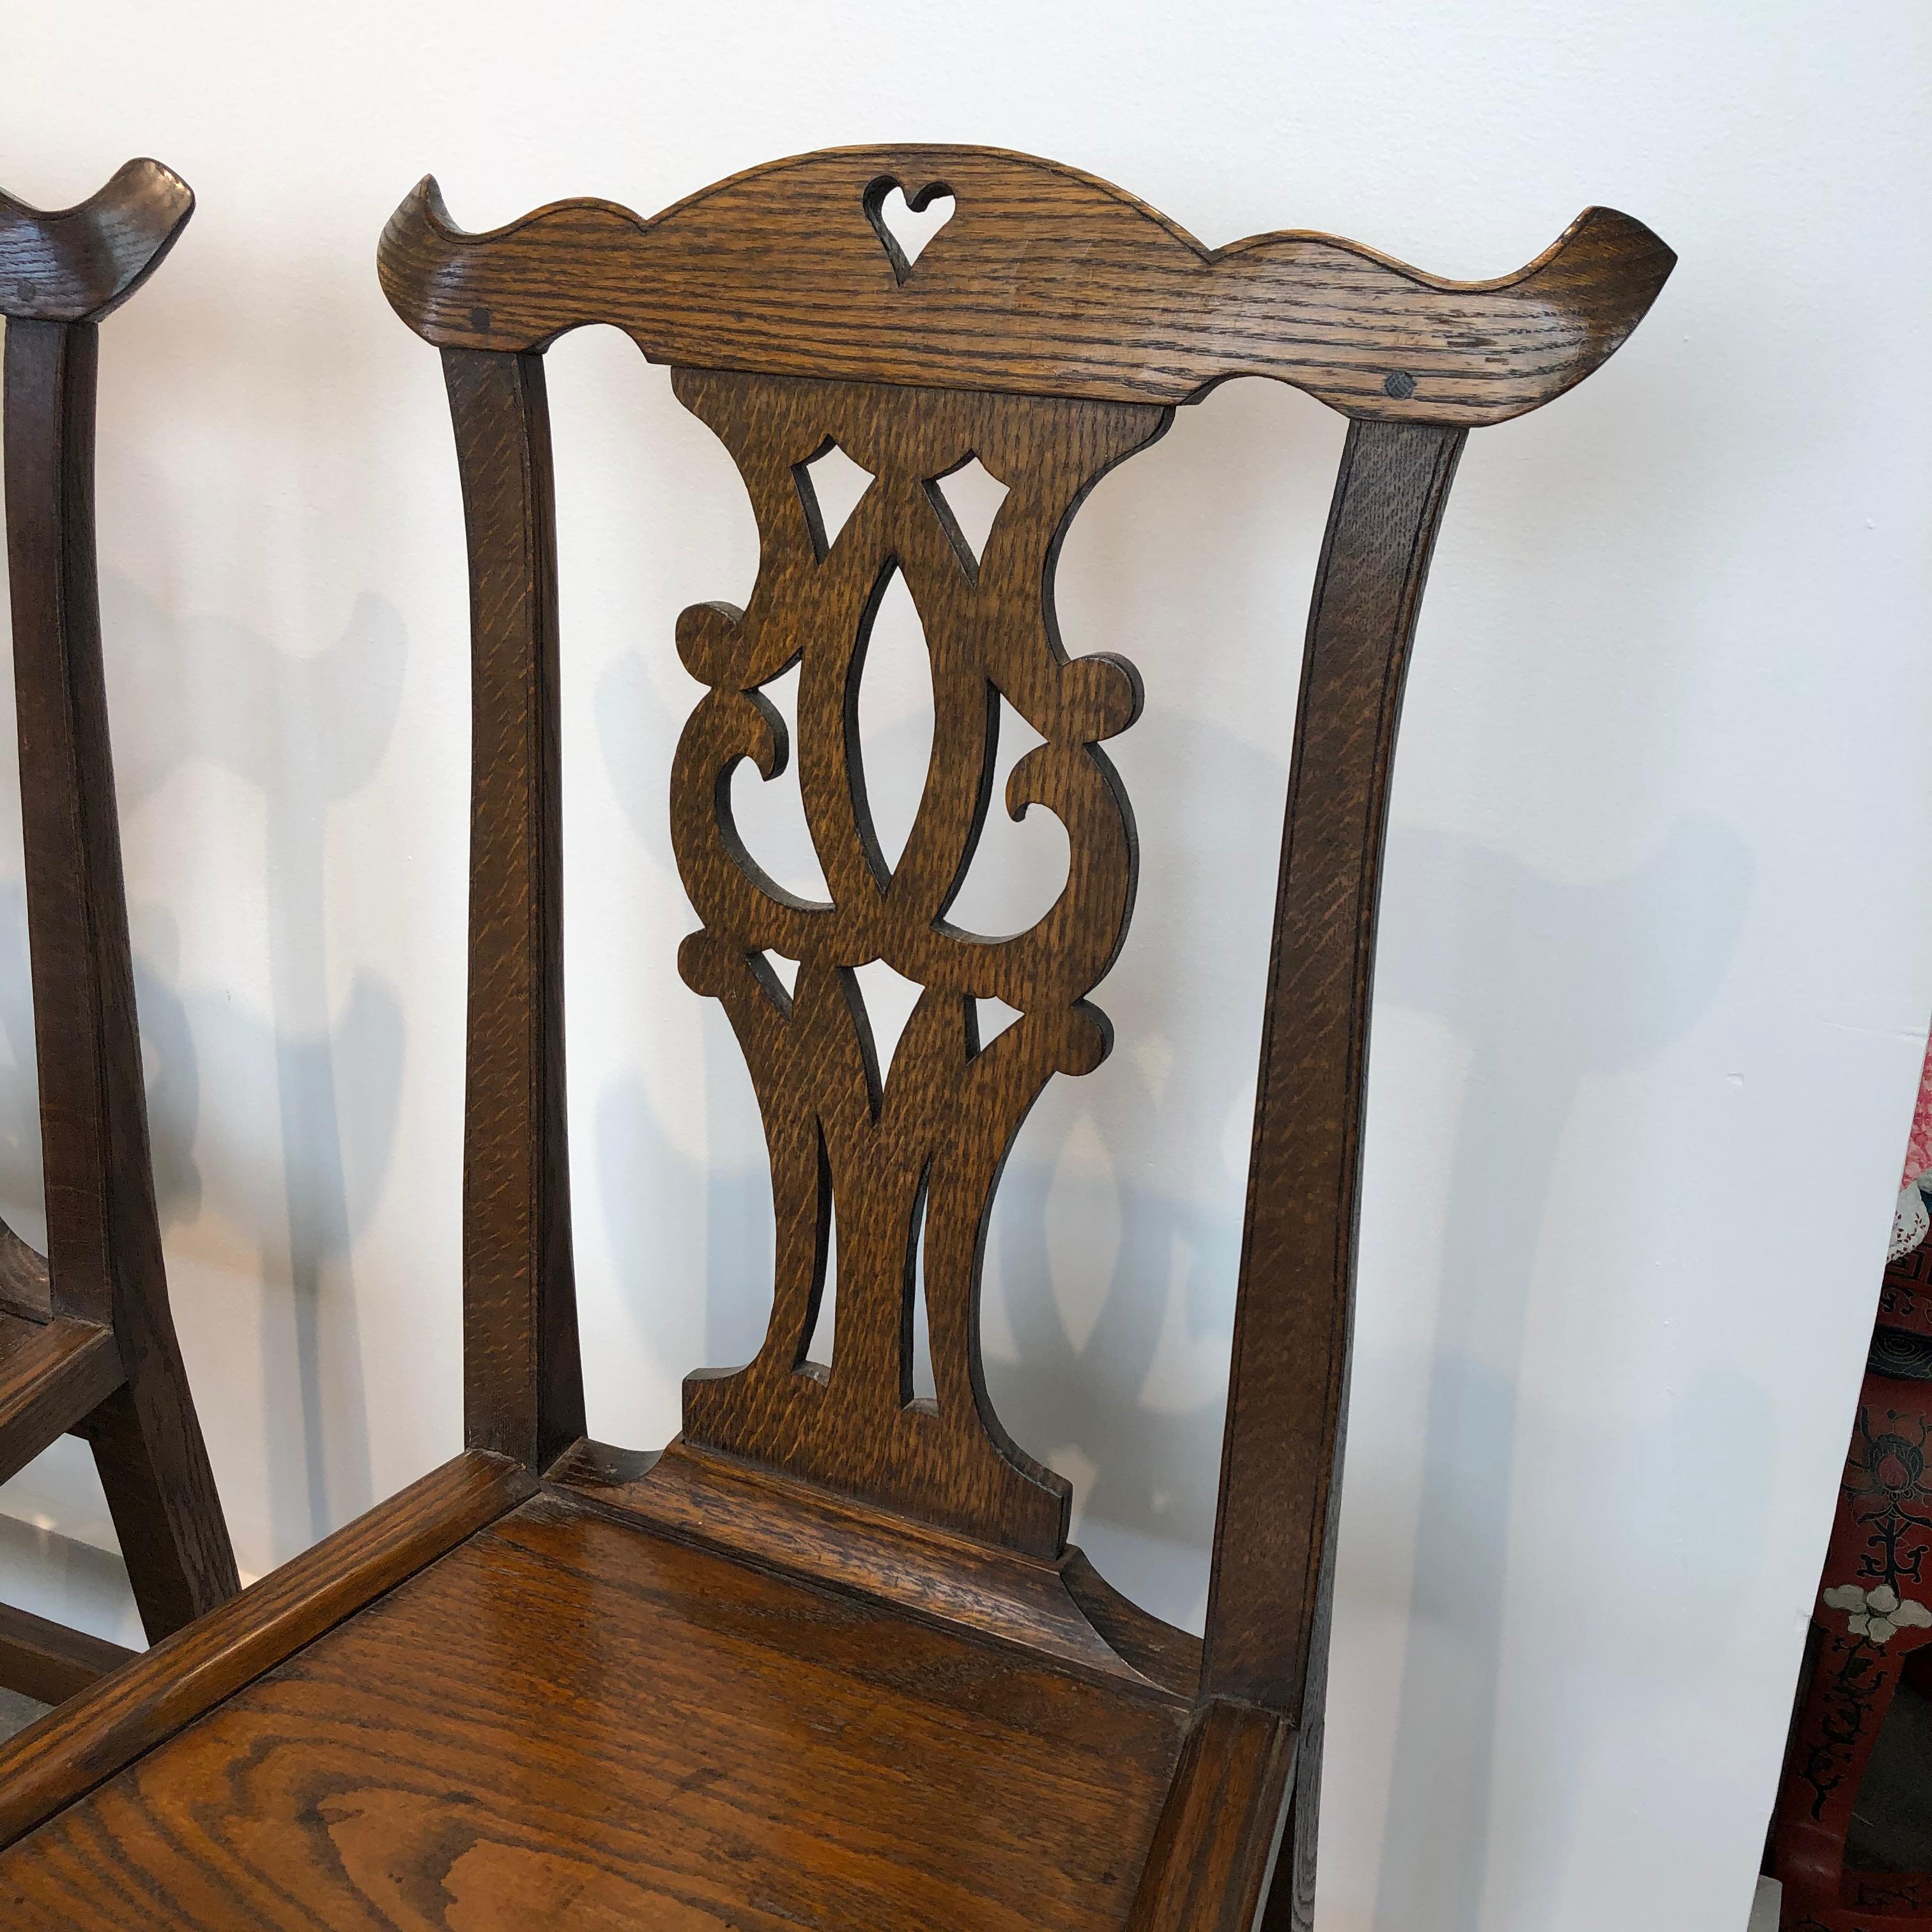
(828, 1659)
(87, 1343)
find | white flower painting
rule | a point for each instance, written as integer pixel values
(1878, 1615)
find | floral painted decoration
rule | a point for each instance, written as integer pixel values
(1878, 1614)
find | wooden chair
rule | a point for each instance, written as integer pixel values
(828, 1660)
(87, 1344)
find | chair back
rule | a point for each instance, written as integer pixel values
(1047, 331)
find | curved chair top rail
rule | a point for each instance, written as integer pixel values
(1044, 280)
(78, 264)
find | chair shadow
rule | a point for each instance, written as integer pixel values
(307, 731)
(1556, 996)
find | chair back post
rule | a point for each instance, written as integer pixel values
(59, 274)
(1274, 1566)
(100, 1197)
(522, 1372)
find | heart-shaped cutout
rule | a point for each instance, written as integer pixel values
(906, 224)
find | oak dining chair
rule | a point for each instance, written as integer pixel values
(828, 1660)
(87, 1341)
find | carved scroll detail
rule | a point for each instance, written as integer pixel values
(915, 1156)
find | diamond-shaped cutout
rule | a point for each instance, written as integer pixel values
(889, 998)
(830, 486)
(966, 501)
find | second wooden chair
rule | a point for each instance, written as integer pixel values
(87, 1342)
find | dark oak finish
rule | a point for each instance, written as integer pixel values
(750, 1751)
(1063, 1610)
(49, 1662)
(828, 1661)
(71, 1749)
(1209, 1867)
(1045, 280)
(911, 1158)
(53, 1376)
(26, 1287)
(79, 264)
(523, 1385)
(87, 1343)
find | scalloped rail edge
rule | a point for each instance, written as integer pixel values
(1045, 280)
(78, 264)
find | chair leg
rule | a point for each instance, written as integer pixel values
(160, 1492)
(1291, 1899)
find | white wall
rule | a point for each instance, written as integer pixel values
(1656, 959)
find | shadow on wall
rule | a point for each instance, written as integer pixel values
(168, 1062)
(1109, 1295)
(322, 1089)
(1115, 1239)
(1554, 985)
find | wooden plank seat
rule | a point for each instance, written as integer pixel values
(829, 1660)
(87, 1340)
(564, 1721)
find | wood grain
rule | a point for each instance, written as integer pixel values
(907, 1162)
(1062, 1610)
(1045, 280)
(522, 1383)
(621, 1731)
(49, 1662)
(51, 1377)
(78, 264)
(1272, 1581)
(1044, 330)
(1293, 1319)
(26, 1287)
(1215, 1849)
(68, 1752)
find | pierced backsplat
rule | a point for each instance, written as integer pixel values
(916, 1153)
